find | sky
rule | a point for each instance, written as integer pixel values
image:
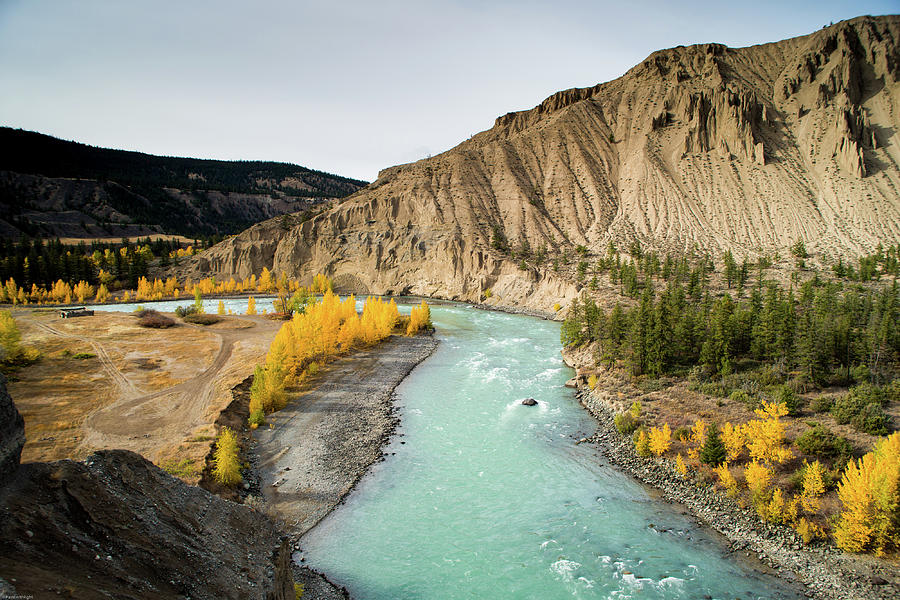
(344, 87)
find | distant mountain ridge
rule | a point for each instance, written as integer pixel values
(52, 187)
(704, 148)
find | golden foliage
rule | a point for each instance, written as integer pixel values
(765, 436)
(642, 443)
(758, 479)
(808, 530)
(698, 433)
(870, 494)
(9, 336)
(419, 318)
(773, 510)
(226, 469)
(592, 381)
(733, 438)
(251, 306)
(660, 439)
(813, 486)
(679, 464)
(727, 479)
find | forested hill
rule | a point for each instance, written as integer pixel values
(52, 187)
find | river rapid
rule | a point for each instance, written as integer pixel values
(482, 497)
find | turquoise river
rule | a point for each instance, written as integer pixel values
(482, 497)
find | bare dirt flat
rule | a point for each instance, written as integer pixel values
(324, 440)
(154, 391)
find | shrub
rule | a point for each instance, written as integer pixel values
(713, 388)
(642, 443)
(626, 423)
(785, 395)
(227, 469)
(822, 404)
(846, 408)
(184, 468)
(183, 311)
(257, 418)
(821, 441)
(83, 355)
(742, 397)
(9, 336)
(679, 464)
(860, 373)
(155, 320)
(201, 319)
(682, 434)
(808, 531)
(872, 419)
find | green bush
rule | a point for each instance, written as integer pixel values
(719, 390)
(627, 423)
(201, 319)
(257, 417)
(849, 406)
(183, 311)
(785, 395)
(822, 404)
(860, 373)
(83, 355)
(682, 434)
(872, 419)
(821, 441)
(743, 397)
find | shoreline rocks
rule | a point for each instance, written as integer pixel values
(825, 571)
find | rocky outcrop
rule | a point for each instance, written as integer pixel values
(746, 149)
(12, 434)
(117, 526)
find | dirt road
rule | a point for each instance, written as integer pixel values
(156, 392)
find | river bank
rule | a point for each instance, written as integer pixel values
(323, 442)
(825, 571)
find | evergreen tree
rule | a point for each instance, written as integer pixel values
(713, 451)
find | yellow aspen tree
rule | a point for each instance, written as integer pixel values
(227, 468)
(9, 336)
(698, 438)
(266, 283)
(758, 479)
(642, 443)
(251, 306)
(773, 510)
(727, 479)
(808, 530)
(660, 439)
(221, 309)
(765, 436)
(869, 492)
(813, 486)
(679, 464)
(733, 438)
(102, 293)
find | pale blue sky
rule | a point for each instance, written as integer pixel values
(345, 87)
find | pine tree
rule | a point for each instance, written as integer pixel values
(713, 451)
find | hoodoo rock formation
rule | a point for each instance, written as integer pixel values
(747, 149)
